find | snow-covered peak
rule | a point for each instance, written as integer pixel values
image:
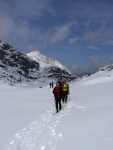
(46, 62)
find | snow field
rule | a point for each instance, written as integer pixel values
(84, 123)
(41, 135)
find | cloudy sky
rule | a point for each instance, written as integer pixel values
(78, 33)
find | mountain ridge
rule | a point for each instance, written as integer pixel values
(16, 67)
(46, 62)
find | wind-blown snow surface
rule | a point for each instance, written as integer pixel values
(84, 123)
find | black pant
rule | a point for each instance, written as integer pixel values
(64, 96)
(58, 104)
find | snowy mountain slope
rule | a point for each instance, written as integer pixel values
(85, 122)
(107, 68)
(102, 75)
(46, 62)
(16, 67)
(55, 68)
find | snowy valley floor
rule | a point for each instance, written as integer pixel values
(85, 123)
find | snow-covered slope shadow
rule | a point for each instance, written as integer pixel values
(41, 135)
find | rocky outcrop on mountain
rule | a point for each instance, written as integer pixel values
(58, 73)
(107, 68)
(15, 66)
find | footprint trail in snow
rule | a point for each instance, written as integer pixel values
(40, 135)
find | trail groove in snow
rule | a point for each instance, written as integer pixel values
(41, 135)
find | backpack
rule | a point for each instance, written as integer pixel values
(57, 92)
(65, 87)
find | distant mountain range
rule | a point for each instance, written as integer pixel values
(34, 67)
(103, 71)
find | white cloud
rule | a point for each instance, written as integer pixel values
(6, 26)
(25, 8)
(111, 59)
(96, 62)
(94, 48)
(61, 33)
(109, 43)
(73, 40)
(99, 33)
(80, 70)
(19, 34)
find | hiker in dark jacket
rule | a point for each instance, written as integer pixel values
(57, 95)
(52, 84)
(60, 85)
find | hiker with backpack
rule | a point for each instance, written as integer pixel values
(65, 91)
(51, 84)
(57, 95)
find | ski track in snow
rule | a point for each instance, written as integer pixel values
(41, 135)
